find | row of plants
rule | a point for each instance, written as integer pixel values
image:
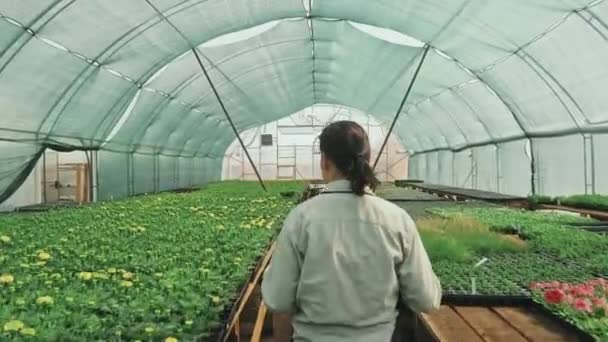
(158, 267)
(462, 238)
(555, 253)
(548, 233)
(593, 202)
(583, 304)
(457, 243)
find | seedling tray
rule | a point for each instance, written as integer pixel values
(484, 300)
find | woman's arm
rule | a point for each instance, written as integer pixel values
(283, 274)
(419, 286)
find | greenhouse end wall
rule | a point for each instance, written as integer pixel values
(123, 174)
(572, 164)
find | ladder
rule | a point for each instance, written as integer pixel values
(286, 162)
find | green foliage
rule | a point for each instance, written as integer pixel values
(143, 268)
(537, 200)
(461, 238)
(593, 202)
(546, 233)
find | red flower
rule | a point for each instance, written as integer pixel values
(583, 305)
(555, 296)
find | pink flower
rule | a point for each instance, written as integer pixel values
(582, 305)
(555, 296)
(583, 291)
(568, 299)
(599, 302)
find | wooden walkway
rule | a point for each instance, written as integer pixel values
(492, 324)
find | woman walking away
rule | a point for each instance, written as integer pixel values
(345, 257)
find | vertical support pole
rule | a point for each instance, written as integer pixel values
(498, 171)
(585, 164)
(453, 168)
(44, 185)
(589, 163)
(592, 148)
(155, 173)
(96, 175)
(89, 155)
(176, 171)
(236, 132)
(407, 94)
(533, 170)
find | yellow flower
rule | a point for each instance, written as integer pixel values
(171, 339)
(215, 299)
(126, 283)
(127, 275)
(44, 256)
(45, 300)
(6, 279)
(85, 275)
(13, 325)
(149, 330)
(100, 275)
(28, 332)
(5, 239)
(189, 322)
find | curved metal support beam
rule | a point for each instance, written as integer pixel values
(407, 94)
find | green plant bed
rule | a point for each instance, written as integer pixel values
(461, 238)
(593, 202)
(146, 268)
(545, 233)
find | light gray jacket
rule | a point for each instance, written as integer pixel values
(341, 262)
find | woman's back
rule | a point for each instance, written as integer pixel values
(352, 255)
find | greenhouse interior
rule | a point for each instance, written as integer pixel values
(150, 151)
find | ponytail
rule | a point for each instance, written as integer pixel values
(346, 144)
(361, 176)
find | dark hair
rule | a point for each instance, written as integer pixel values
(346, 144)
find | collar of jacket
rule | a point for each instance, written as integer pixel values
(342, 185)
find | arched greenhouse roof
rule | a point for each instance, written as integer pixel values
(122, 75)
